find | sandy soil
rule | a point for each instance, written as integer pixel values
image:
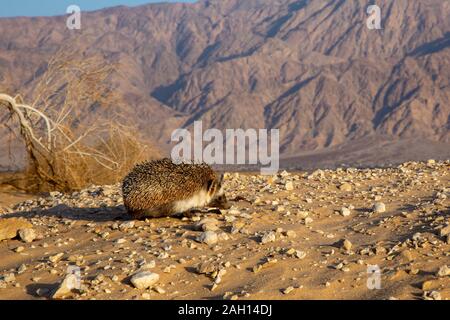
(275, 243)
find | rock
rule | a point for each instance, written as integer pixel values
(148, 266)
(268, 237)
(429, 285)
(379, 207)
(237, 226)
(288, 290)
(445, 231)
(300, 254)
(289, 186)
(291, 234)
(303, 214)
(56, 257)
(347, 245)
(207, 268)
(65, 289)
(19, 249)
(207, 224)
(308, 220)
(22, 268)
(433, 295)
(9, 227)
(443, 271)
(407, 255)
(127, 225)
(284, 174)
(210, 227)
(144, 279)
(8, 277)
(159, 290)
(345, 212)
(27, 235)
(223, 236)
(208, 237)
(346, 187)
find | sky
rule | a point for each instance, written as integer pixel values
(14, 8)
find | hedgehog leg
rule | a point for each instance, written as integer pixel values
(148, 213)
(191, 212)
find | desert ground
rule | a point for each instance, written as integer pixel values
(296, 235)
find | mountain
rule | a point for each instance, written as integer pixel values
(337, 90)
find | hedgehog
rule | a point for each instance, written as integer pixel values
(162, 188)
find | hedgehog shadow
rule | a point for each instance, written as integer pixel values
(95, 214)
(62, 211)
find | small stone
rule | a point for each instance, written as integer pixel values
(308, 220)
(445, 231)
(291, 252)
(207, 224)
(347, 245)
(27, 235)
(56, 257)
(345, 212)
(159, 290)
(346, 187)
(127, 225)
(8, 278)
(288, 290)
(19, 249)
(206, 268)
(148, 266)
(10, 227)
(237, 226)
(443, 271)
(289, 186)
(210, 227)
(428, 285)
(379, 207)
(291, 234)
(208, 237)
(407, 255)
(22, 268)
(144, 279)
(268, 237)
(303, 214)
(66, 287)
(121, 241)
(433, 295)
(146, 296)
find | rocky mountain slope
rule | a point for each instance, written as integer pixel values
(310, 68)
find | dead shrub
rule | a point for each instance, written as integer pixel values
(69, 144)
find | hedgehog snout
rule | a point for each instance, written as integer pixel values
(220, 202)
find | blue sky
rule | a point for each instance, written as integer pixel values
(13, 8)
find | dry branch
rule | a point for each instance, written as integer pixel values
(66, 150)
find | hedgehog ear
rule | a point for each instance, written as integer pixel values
(220, 181)
(210, 185)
